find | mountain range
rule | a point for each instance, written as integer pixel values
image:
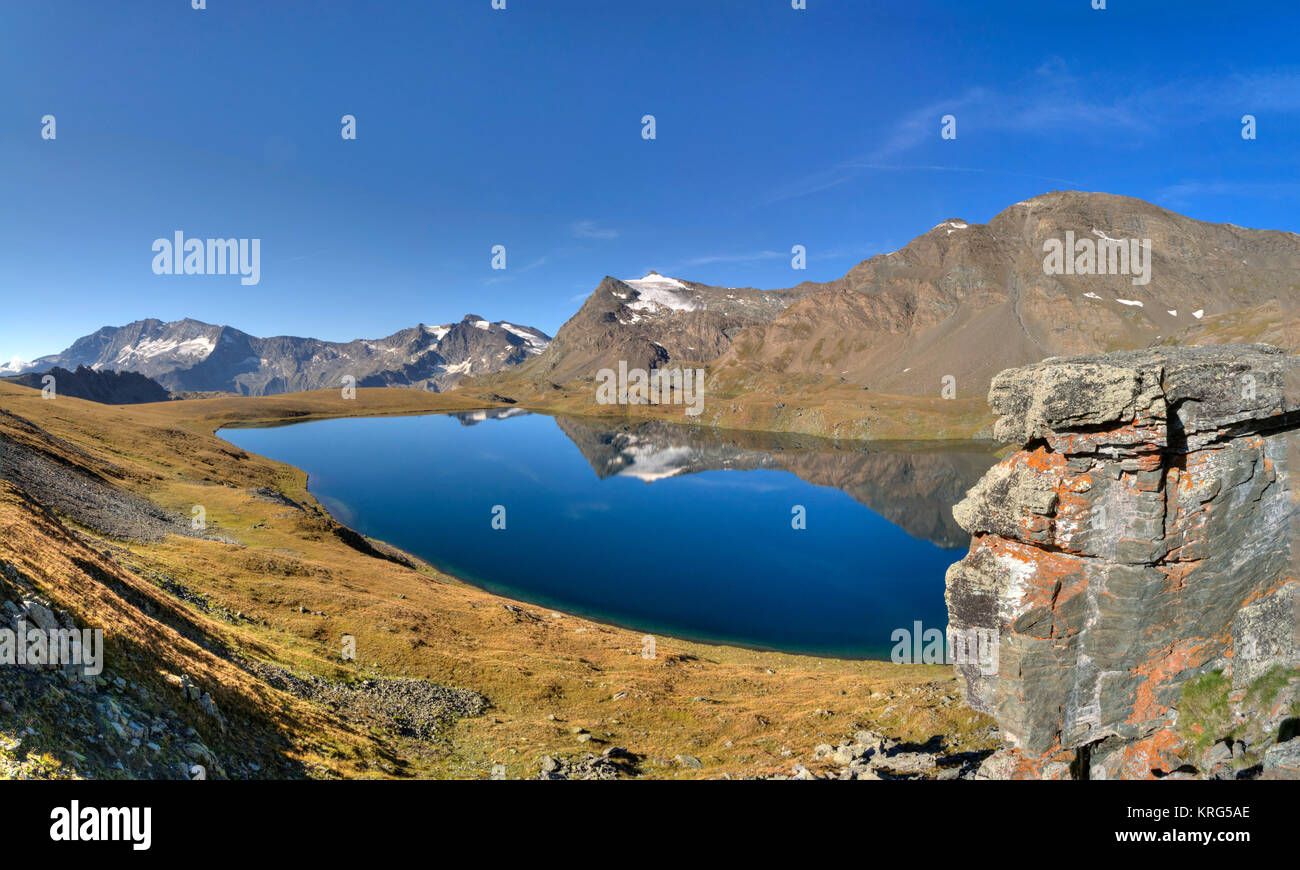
(963, 300)
(970, 300)
(192, 356)
(956, 305)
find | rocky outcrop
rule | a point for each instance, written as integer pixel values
(1136, 564)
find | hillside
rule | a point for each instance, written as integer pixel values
(1272, 323)
(970, 300)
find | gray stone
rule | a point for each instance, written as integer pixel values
(1282, 760)
(41, 616)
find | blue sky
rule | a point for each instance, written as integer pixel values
(522, 127)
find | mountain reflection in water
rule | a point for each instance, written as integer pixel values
(676, 530)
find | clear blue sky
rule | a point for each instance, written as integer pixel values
(523, 128)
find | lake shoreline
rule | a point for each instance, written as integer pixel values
(427, 479)
(290, 586)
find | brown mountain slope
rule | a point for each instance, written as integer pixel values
(649, 322)
(853, 357)
(1271, 323)
(969, 300)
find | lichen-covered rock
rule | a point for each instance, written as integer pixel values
(1147, 533)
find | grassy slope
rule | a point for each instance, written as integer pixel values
(1265, 324)
(413, 621)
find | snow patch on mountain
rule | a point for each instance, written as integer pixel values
(195, 347)
(657, 291)
(525, 333)
(536, 341)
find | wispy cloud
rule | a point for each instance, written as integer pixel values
(587, 229)
(710, 259)
(1052, 102)
(723, 258)
(930, 168)
(910, 132)
(507, 274)
(857, 253)
(1185, 191)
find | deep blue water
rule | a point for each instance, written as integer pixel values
(703, 554)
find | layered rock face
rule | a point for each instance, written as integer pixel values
(1143, 543)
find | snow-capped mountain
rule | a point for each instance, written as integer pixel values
(652, 321)
(189, 355)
